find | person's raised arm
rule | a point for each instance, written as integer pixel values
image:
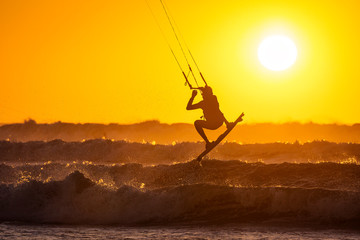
(190, 105)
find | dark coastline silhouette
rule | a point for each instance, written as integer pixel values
(163, 133)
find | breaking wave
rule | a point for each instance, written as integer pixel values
(218, 192)
(331, 176)
(119, 182)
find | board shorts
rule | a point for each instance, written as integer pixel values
(214, 124)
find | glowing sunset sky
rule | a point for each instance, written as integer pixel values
(106, 61)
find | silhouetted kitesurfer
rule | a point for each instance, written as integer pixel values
(214, 118)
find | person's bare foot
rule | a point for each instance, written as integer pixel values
(209, 144)
(230, 125)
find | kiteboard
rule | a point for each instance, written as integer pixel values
(220, 138)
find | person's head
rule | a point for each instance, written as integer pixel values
(206, 91)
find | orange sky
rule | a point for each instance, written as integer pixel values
(106, 61)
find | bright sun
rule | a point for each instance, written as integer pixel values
(277, 52)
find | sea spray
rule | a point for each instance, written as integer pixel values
(78, 200)
(330, 176)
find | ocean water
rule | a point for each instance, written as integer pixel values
(221, 199)
(219, 192)
(110, 152)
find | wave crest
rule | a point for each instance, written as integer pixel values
(77, 199)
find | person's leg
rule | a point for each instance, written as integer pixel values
(227, 123)
(199, 125)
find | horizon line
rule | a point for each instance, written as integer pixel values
(33, 121)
